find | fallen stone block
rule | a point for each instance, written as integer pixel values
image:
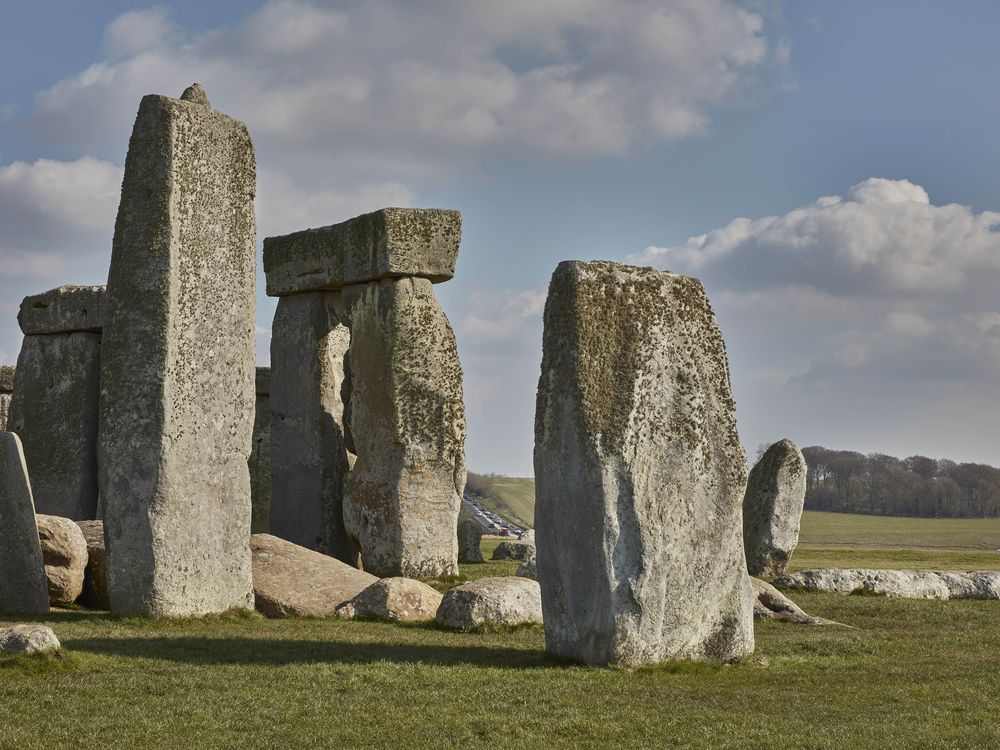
(901, 584)
(511, 551)
(771, 604)
(28, 639)
(23, 587)
(507, 600)
(397, 599)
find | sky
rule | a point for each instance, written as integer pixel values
(828, 170)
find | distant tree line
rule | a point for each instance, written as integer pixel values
(877, 484)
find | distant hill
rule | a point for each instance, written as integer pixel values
(511, 498)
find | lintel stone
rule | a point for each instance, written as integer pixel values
(65, 309)
(387, 243)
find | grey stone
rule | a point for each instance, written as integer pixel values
(506, 600)
(639, 472)
(64, 552)
(528, 535)
(55, 411)
(391, 242)
(22, 574)
(28, 639)
(7, 378)
(5, 399)
(95, 578)
(772, 508)
(470, 536)
(901, 584)
(406, 422)
(65, 309)
(292, 580)
(529, 567)
(397, 599)
(177, 366)
(260, 455)
(196, 95)
(309, 458)
(771, 604)
(511, 551)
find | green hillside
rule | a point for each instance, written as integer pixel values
(511, 498)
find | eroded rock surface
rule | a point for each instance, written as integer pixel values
(507, 600)
(771, 604)
(511, 551)
(64, 552)
(95, 577)
(6, 393)
(529, 567)
(639, 472)
(397, 599)
(772, 508)
(470, 537)
(23, 588)
(259, 462)
(28, 639)
(903, 584)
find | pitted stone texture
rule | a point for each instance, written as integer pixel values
(292, 580)
(639, 472)
(5, 399)
(397, 599)
(309, 460)
(470, 536)
(64, 552)
(391, 242)
(771, 604)
(196, 95)
(65, 309)
(507, 600)
(528, 535)
(55, 411)
(95, 577)
(407, 424)
(772, 508)
(7, 373)
(28, 639)
(529, 568)
(901, 584)
(260, 456)
(23, 588)
(511, 551)
(177, 366)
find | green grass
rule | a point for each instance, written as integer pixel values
(514, 499)
(832, 529)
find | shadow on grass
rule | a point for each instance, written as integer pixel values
(278, 652)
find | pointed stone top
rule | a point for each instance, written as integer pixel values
(196, 95)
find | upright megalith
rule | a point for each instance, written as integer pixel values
(359, 323)
(23, 586)
(772, 508)
(177, 366)
(57, 391)
(6, 393)
(639, 472)
(470, 537)
(309, 458)
(260, 455)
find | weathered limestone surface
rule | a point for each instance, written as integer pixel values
(292, 580)
(639, 472)
(64, 552)
(771, 604)
(511, 550)
(55, 411)
(177, 366)
(28, 639)
(260, 455)
(23, 588)
(95, 578)
(309, 459)
(6, 393)
(391, 242)
(507, 600)
(529, 567)
(772, 508)
(62, 310)
(407, 424)
(902, 584)
(470, 536)
(397, 599)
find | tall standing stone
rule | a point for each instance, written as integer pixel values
(772, 508)
(6, 393)
(639, 472)
(260, 455)
(309, 459)
(470, 537)
(177, 365)
(57, 393)
(23, 586)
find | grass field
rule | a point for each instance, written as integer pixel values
(514, 499)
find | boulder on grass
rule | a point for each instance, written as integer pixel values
(529, 568)
(64, 554)
(398, 599)
(292, 580)
(771, 604)
(507, 600)
(901, 584)
(95, 578)
(511, 551)
(28, 639)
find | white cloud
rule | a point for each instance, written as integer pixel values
(505, 315)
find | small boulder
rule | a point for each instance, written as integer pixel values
(64, 554)
(292, 580)
(507, 600)
(529, 568)
(95, 579)
(398, 599)
(470, 535)
(511, 551)
(28, 639)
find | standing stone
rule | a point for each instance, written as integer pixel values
(65, 555)
(260, 455)
(57, 394)
(309, 460)
(177, 366)
(639, 472)
(6, 393)
(470, 537)
(23, 586)
(772, 508)
(407, 422)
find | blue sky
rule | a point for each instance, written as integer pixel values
(828, 170)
